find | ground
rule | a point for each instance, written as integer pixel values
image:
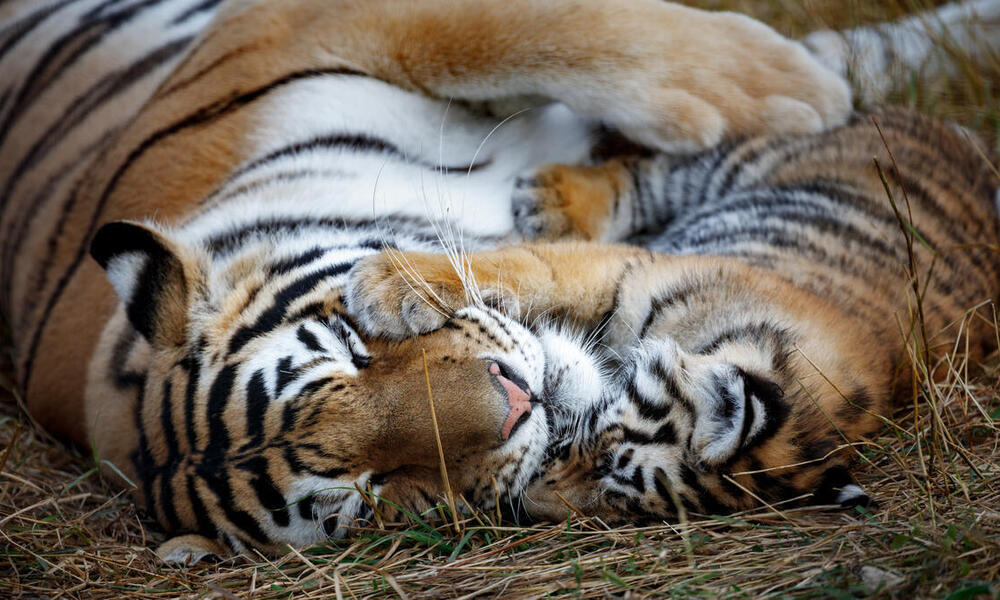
(934, 470)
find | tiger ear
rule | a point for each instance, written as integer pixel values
(150, 275)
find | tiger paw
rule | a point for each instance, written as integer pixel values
(668, 90)
(187, 550)
(565, 202)
(387, 301)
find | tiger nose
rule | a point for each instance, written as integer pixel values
(518, 398)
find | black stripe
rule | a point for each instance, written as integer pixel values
(98, 10)
(257, 402)
(284, 374)
(17, 30)
(267, 493)
(706, 500)
(647, 409)
(218, 399)
(417, 228)
(119, 362)
(62, 54)
(666, 435)
(142, 458)
(749, 416)
(662, 483)
(99, 94)
(664, 301)
(756, 333)
(270, 318)
(308, 339)
(300, 260)
(773, 487)
(220, 60)
(216, 476)
(295, 463)
(192, 364)
(353, 142)
(281, 178)
(203, 6)
(167, 423)
(205, 525)
(306, 507)
(199, 117)
(638, 480)
(771, 397)
(166, 500)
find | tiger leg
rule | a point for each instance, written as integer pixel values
(398, 294)
(643, 67)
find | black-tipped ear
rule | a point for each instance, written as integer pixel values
(838, 487)
(149, 275)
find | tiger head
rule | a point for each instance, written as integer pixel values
(265, 419)
(677, 432)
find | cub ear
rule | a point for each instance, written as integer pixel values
(838, 487)
(151, 277)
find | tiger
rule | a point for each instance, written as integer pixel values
(227, 165)
(759, 311)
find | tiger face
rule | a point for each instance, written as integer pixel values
(678, 431)
(265, 419)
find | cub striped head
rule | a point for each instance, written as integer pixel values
(711, 433)
(266, 419)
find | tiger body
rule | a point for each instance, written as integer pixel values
(778, 283)
(231, 383)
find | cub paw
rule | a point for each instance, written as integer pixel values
(387, 301)
(564, 202)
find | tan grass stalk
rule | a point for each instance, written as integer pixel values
(449, 495)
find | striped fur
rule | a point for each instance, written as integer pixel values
(764, 334)
(227, 163)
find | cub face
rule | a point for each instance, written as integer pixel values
(265, 419)
(709, 433)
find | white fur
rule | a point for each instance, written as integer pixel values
(122, 272)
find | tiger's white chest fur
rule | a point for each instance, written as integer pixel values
(358, 149)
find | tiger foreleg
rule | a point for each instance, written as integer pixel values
(402, 294)
(642, 66)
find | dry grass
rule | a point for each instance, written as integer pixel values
(935, 472)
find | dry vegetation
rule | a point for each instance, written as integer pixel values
(935, 472)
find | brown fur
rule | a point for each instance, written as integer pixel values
(642, 66)
(473, 50)
(850, 328)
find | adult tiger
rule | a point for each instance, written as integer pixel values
(264, 137)
(229, 384)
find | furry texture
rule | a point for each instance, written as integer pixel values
(231, 381)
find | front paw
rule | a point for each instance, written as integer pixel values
(696, 78)
(188, 550)
(387, 300)
(564, 202)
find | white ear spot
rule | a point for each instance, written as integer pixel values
(123, 272)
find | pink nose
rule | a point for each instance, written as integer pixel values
(518, 399)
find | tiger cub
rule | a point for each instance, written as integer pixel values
(764, 325)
